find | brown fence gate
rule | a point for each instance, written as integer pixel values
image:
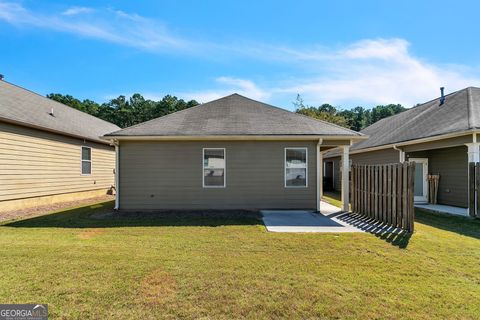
(385, 193)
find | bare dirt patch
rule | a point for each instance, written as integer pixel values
(90, 233)
(42, 210)
(158, 287)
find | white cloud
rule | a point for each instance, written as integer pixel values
(108, 25)
(227, 86)
(77, 10)
(378, 72)
(366, 72)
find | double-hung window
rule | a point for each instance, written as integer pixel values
(296, 168)
(86, 161)
(214, 167)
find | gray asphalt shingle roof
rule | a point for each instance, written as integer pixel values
(23, 106)
(234, 115)
(459, 112)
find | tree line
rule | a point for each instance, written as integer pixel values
(125, 112)
(356, 118)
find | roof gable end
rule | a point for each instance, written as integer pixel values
(234, 115)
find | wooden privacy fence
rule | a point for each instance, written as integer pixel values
(384, 193)
(474, 189)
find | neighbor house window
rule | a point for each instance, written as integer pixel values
(296, 170)
(86, 160)
(214, 167)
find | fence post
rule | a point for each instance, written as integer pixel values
(384, 197)
(404, 194)
(352, 188)
(375, 192)
(477, 189)
(368, 185)
(394, 195)
(411, 207)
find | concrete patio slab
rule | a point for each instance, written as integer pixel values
(306, 221)
(331, 220)
(440, 208)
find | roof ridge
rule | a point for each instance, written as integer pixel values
(301, 115)
(424, 104)
(410, 120)
(56, 102)
(244, 97)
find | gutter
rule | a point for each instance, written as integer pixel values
(401, 153)
(319, 173)
(416, 141)
(117, 174)
(29, 125)
(240, 137)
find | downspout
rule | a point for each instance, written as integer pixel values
(319, 170)
(401, 153)
(117, 174)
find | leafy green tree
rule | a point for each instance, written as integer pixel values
(126, 112)
(356, 119)
(325, 112)
(380, 112)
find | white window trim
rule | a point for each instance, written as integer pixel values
(224, 169)
(81, 161)
(285, 167)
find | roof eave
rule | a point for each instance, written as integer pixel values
(29, 125)
(416, 141)
(238, 137)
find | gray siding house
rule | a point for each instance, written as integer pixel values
(231, 153)
(441, 136)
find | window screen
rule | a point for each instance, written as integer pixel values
(86, 160)
(296, 167)
(214, 167)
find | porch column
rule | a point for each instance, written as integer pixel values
(345, 178)
(319, 176)
(473, 156)
(473, 151)
(117, 175)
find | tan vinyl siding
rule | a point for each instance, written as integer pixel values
(168, 175)
(35, 163)
(451, 164)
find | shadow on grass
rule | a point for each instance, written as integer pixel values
(395, 236)
(102, 215)
(462, 225)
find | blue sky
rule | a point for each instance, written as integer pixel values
(347, 53)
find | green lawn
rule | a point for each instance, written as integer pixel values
(88, 266)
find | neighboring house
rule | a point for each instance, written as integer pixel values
(440, 136)
(231, 153)
(50, 152)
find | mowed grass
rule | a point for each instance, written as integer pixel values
(223, 266)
